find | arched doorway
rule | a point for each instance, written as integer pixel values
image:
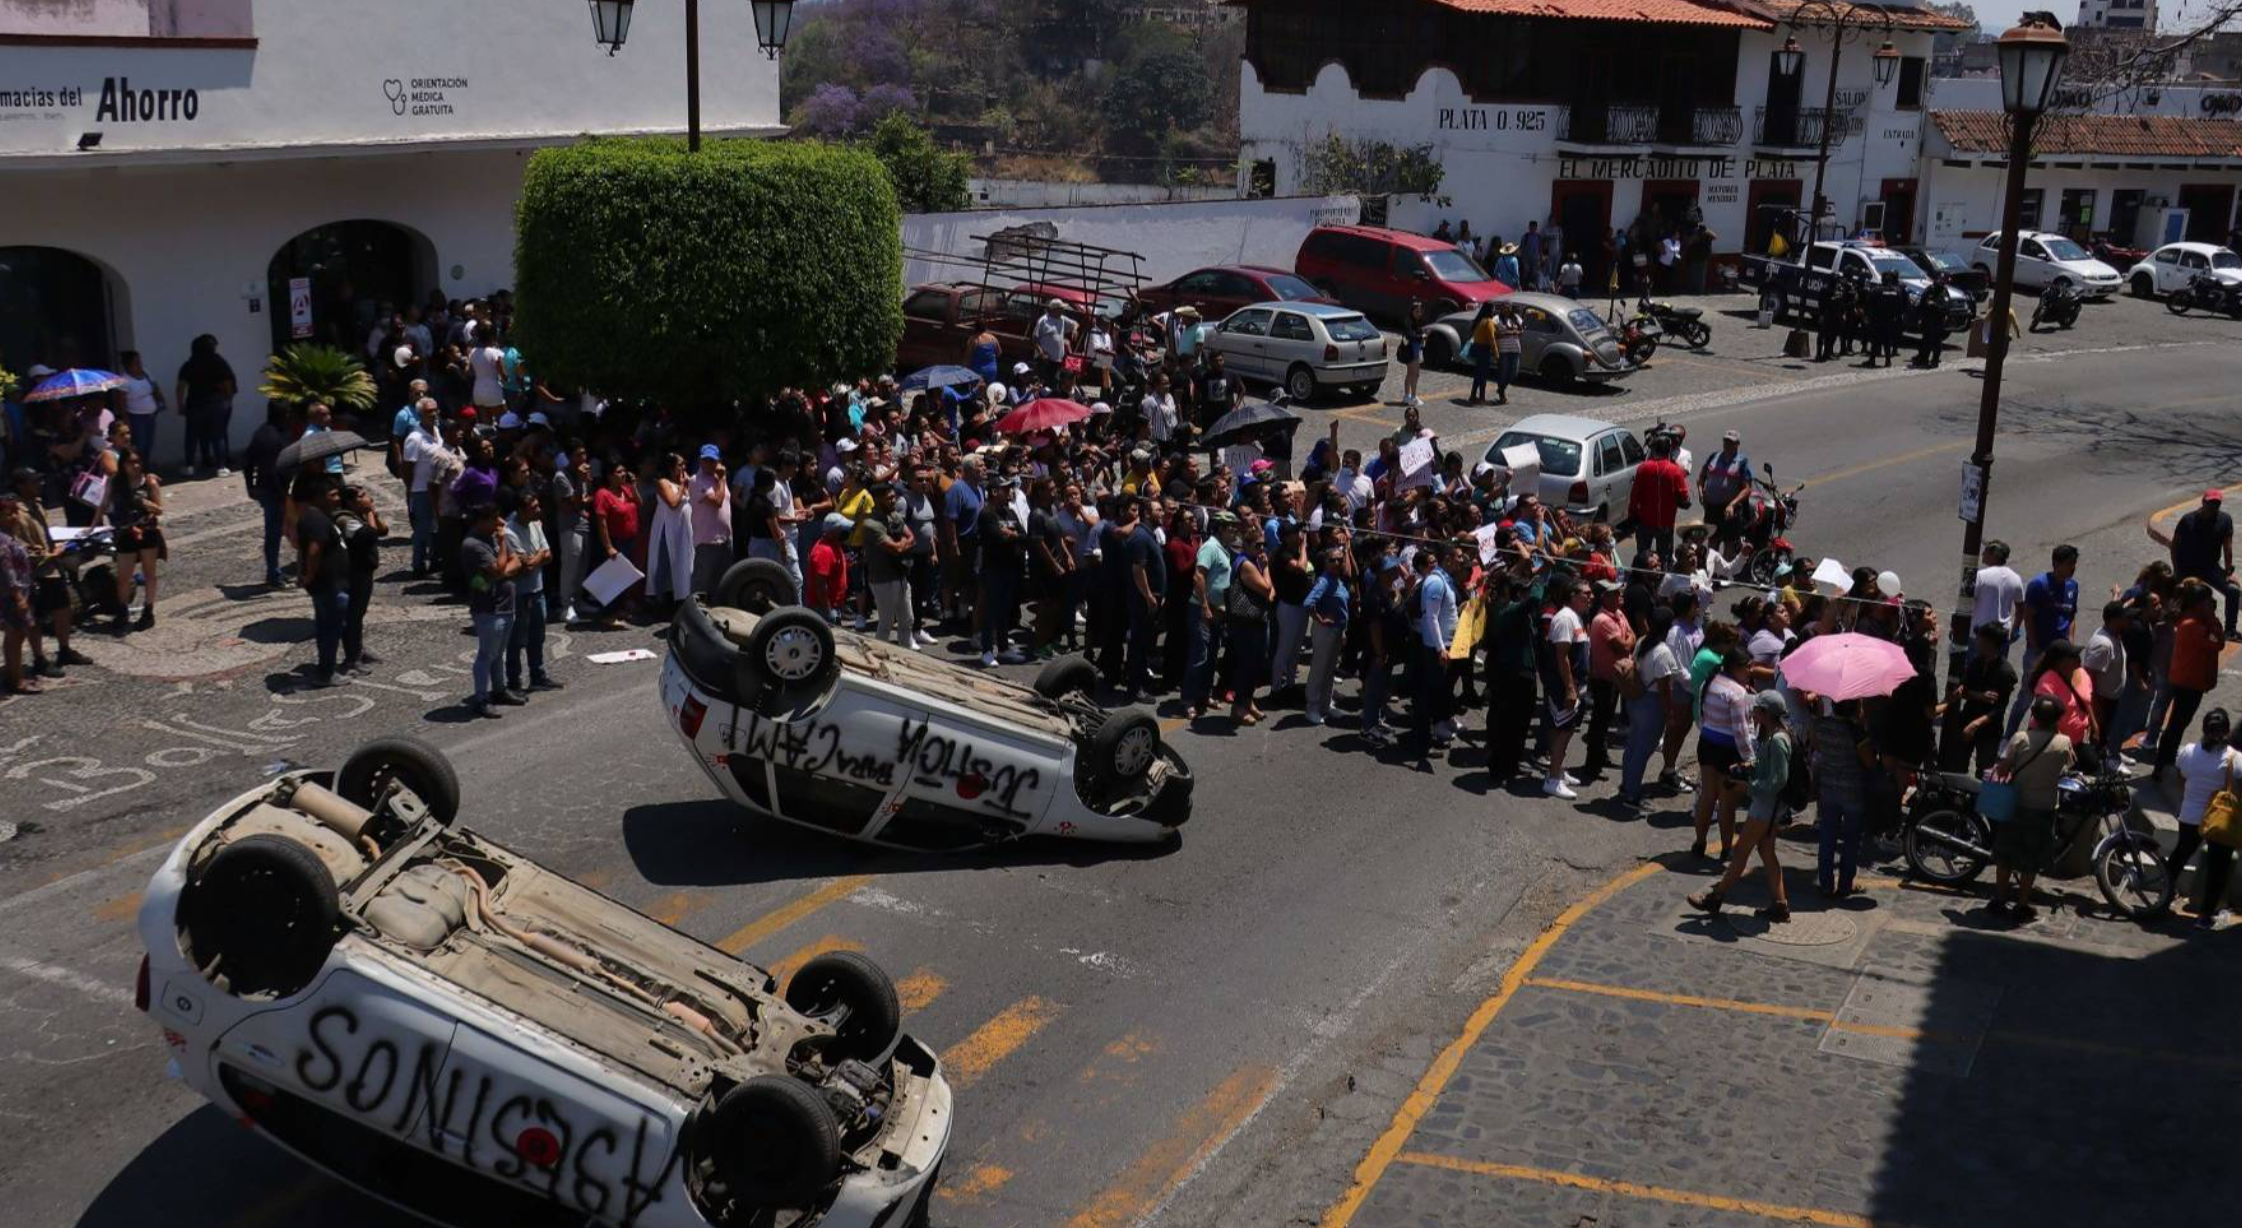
(58, 308)
(351, 270)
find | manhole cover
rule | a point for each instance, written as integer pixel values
(1804, 929)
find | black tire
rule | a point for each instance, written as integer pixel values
(1068, 675)
(416, 765)
(1171, 802)
(757, 586)
(1124, 747)
(265, 911)
(1557, 373)
(775, 1142)
(855, 996)
(1696, 333)
(1300, 383)
(2143, 286)
(790, 656)
(2177, 302)
(1437, 352)
(1761, 570)
(1781, 306)
(2129, 869)
(1948, 846)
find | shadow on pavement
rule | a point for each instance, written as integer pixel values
(207, 1171)
(280, 629)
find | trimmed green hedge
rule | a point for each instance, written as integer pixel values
(642, 270)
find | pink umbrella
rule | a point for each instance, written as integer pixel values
(1042, 414)
(1847, 666)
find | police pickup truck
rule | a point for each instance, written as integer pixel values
(1795, 289)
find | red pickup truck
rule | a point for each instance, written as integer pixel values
(940, 318)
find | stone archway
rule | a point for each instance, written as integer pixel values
(350, 270)
(60, 308)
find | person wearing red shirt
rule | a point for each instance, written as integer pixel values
(1661, 490)
(827, 576)
(2194, 669)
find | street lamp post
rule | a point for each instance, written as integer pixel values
(2031, 56)
(1845, 22)
(774, 19)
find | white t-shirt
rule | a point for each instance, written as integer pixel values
(1999, 591)
(1159, 414)
(1658, 664)
(2204, 771)
(421, 450)
(140, 396)
(1767, 647)
(1565, 628)
(489, 366)
(2104, 659)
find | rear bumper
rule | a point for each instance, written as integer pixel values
(1351, 373)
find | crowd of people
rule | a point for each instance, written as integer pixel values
(1656, 255)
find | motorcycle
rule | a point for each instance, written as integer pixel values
(2207, 292)
(1947, 842)
(1686, 324)
(1638, 338)
(2058, 305)
(1769, 511)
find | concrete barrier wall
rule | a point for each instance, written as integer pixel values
(1173, 237)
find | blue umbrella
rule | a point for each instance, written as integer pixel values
(943, 376)
(76, 382)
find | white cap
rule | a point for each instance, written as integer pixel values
(1100, 407)
(844, 444)
(1019, 368)
(509, 421)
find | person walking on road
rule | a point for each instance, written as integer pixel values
(2202, 546)
(2035, 761)
(133, 506)
(2206, 767)
(1767, 756)
(267, 486)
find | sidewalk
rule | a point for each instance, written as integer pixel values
(1893, 1059)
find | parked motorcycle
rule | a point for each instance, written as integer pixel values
(1947, 842)
(1685, 324)
(2208, 293)
(1769, 511)
(2058, 306)
(1638, 338)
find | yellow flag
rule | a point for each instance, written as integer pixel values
(1471, 623)
(1777, 247)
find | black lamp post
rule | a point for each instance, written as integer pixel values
(2031, 58)
(1846, 22)
(774, 20)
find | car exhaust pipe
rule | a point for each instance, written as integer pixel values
(346, 818)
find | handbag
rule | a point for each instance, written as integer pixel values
(1997, 797)
(2222, 815)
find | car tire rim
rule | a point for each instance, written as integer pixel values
(793, 654)
(1133, 755)
(1302, 387)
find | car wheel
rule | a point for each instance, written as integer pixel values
(1068, 676)
(1171, 802)
(1300, 382)
(1440, 308)
(1555, 371)
(1603, 514)
(1124, 747)
(1780, 305)
(790, 653)
(853, 995)
(409, 762)
(2144, 286)
(1437, 352)
(775, 1142)
(264, 913)
(757, 586)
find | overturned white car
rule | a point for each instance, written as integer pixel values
(467, 1035)
(851, 736)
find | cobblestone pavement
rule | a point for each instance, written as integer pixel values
(1898, 1058)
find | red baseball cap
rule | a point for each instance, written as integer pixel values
(2214, 495)
(468, 412)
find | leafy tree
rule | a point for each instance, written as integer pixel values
(307, 372)
(1948, 41)
(1372, 168)
(831, 111)
(1164, 92)
(700, 280)
(881, 101)
(926, 179)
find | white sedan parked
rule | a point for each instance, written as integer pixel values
(2044, 259)
(1587, 465)
(2175, 265)
(467, 1035)
(1303, 347)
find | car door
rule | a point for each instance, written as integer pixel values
(1233, 291)
(1198, 290)
(1541, 332)
(963, 782)
(1291, 339)
(1611, 465)
(1244, 337)
(1623, 484)
(2033, 268)
(2192, 265)
(2166, 262)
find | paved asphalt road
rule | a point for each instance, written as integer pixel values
(1206, 1035)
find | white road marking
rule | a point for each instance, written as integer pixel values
(69, 883)
(92, 987)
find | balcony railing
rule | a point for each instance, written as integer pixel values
(1801, 127)
(1715, 125)
(1618, 124)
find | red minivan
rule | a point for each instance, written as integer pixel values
(1380, 271)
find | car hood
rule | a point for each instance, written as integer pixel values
(2093, 269)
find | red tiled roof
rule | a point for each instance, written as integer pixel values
(1903, 16)
(1655, 12)
(2117, 136)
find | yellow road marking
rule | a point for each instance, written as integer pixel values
(1648, 1193)
(1443, 1068)
(1887, 462)
(120, 909)
(978, 1183)
(165, 838)
(1164, 1165)
(920, 988)
(593, 880)
(672, 908)
(779, 918)
(785, 969)
(1173, 723)
(1678, 999)
(966, 1061)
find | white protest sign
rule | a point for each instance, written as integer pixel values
(1523, 460)
(1486, 534)
(1834, 574)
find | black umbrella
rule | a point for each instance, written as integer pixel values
(314, 449)
(1249, 421)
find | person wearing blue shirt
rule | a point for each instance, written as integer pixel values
(2051, 606)
(1327, 627)
(319, 420)
(1435, 624)
(401, 426)
(961, 516)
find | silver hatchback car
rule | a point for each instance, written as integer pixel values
(1564, 341)
(1303, 348)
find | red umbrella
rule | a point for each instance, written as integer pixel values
(1042, 414)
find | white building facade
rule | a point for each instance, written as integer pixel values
(2119, 15)
(270, 171)
(1591, 114)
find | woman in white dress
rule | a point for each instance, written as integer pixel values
(669, 546)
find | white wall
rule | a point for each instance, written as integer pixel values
(1973, 194)
(184, 243)
(1036, 193)
(1173, 238)
(327, 72)
(2185, 101)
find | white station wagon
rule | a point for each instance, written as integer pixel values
(476, 1040)
(837, 731)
